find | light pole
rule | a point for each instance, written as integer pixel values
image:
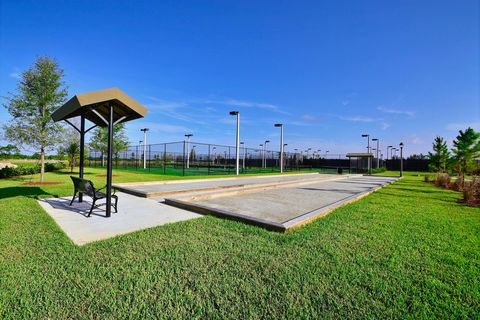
(368, 151)
(237, 146)
(188, 135)
(140, 158)
(280, 125)
(307, 151)
(401, 159)
(284, 147)
(389, 147)
(144, 147)
(326, 153)
(214, 154)
(244, 154)
(261, 152)
(378, 142)
(265, 153)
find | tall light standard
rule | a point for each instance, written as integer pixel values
(244, 154)
(280, 125)
(237, 146)
(319, 152)
(401, 159)
(188, 135)
(307, 151)
(389, 147)
(378, 142)
(214, 154)
(144, 147)
(265, 153)
(368, 151)
(137, 155)
(326, 153)
(261, 152)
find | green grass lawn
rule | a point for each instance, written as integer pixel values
(406, 251)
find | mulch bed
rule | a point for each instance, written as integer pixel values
(36, 183)
(104, 175)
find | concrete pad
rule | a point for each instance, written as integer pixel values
(133, 214)
(157, 189)
(283, 207)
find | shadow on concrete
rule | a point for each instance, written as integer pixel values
(81, 208)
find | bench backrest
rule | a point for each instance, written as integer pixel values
(83, 185)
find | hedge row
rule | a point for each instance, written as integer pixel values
(9, 172)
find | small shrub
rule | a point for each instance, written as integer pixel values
(428, 178)
(443, 180)
(22, 170)
(458, 184)
(379, 170)
(471, 192)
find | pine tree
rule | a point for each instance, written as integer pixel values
(466, 149)
(440, 156)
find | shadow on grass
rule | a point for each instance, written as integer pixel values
(69, 173)
(29, 192)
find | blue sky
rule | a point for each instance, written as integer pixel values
(330, 71)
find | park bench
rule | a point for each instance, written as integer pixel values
(86, 187)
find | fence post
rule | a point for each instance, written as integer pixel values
(184, 160)
(164, 158)
(149, 159)
(208, 170)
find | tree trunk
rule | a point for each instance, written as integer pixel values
(42, 164)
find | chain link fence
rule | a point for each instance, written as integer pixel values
(186, 158)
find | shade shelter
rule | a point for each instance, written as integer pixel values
(104, 108)
(359, 163)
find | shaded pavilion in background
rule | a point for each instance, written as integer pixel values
(360, 162)
(104, 108)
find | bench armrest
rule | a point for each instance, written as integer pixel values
(104, 187)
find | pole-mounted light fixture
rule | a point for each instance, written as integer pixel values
(188, 135)
(401, 159)
(237, 142)
(368, 151)
(280, 125)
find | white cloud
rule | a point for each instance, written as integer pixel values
(463, 126)
(162, 127)
(414, 139)
(244, 104)
(359, 119)
(385, 125)
(15, 75)
(309, 117)
(385, 109)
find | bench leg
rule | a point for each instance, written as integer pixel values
(93, 206)
(73, 198)
(116, 202)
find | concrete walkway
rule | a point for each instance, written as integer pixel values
(134, 214)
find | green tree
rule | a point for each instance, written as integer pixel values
(440, 155)
(9, 150)
(40, 91)
(72, 151)
(99, 140)
(466, 148)
(70, 147)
